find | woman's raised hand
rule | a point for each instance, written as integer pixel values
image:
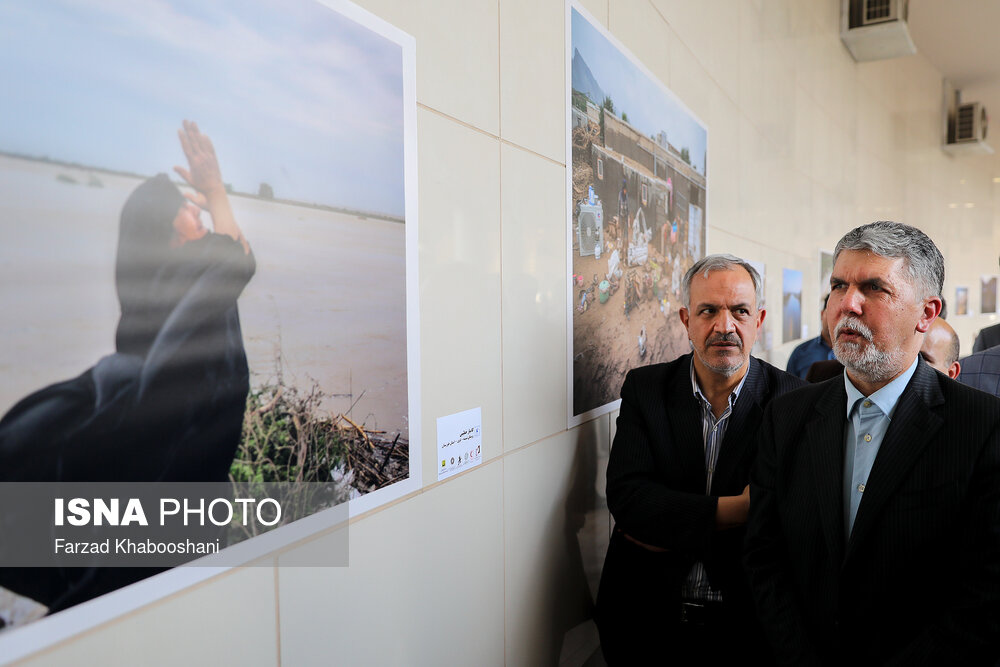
(203, 173)
(204, 176)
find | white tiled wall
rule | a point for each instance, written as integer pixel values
(459, 273)
(534, 296)
(425, 585)
(804, 143)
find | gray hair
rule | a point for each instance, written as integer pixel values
(922, 259)
(725, 262)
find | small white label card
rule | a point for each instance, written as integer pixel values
(460, 442)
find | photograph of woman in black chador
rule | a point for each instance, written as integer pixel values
(168, 404)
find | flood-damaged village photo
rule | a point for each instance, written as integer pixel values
(637, 216)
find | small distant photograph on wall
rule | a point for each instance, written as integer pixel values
(988, 294)
(636, 215)
(825, 271)
(762, 344)
(791, 305)
(961, 300)
(208, 228)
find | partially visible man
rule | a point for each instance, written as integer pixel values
(816, 349)
(874, 532)
(982, 370)
(941, 348)
(672, 586)
(987, 338)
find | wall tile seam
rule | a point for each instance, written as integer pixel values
(785, 45)
(842, 125)
(277, 609)
(762, 137)
(545, 438)
(877, 100)
(875, 93)
(945, 189)
(900, 154)
(121, 618)
(676, 34)
(828, 38)
(740, 110)
(455, 119)
(782, 249)
(502, 140)
(835, 118)
(854, 66)
(562, 166)
(531, 151)
(928, 66)
(503, 537)
(606, 22)
(500, 85)
(500, 244)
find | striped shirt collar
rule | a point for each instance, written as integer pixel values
(696, 390)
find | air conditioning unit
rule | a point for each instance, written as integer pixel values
(965, 124)
(876, 29)
(880, 11)
(970, 123)
(590, 228)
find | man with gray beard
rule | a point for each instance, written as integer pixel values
(673, 589)
(874, 530)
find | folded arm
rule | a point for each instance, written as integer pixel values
(651, 513)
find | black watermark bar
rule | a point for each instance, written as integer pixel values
(169, 524)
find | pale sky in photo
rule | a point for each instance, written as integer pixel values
(649, 106)
(292, 93)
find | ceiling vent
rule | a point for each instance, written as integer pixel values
(876, 29)
(965, 124)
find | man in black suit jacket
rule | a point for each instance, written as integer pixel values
(982, 371)
(672, 585)
(987, 338)
(874, 532)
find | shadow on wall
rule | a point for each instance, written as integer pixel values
(587, 533)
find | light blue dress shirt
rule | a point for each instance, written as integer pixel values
(868, 419)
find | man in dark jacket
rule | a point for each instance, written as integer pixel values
(987, 338)
(672, 586)
(874, 532)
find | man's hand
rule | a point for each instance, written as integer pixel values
(647, 547)
(732, 511)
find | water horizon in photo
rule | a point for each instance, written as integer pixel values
(326, 308)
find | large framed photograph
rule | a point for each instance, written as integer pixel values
(637, 220)
(208, 253)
